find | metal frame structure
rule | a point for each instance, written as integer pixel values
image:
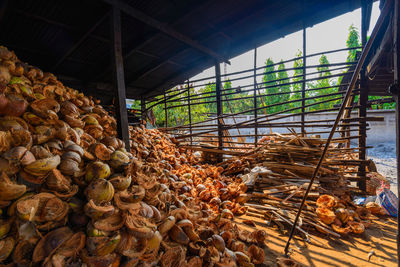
(193, 134)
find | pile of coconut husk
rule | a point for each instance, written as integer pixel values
(71, 194)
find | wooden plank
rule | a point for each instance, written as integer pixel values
(121, 112)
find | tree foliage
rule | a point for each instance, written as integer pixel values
(277, 84)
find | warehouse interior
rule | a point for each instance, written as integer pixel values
(148, 52)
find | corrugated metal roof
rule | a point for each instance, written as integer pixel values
(42, 32)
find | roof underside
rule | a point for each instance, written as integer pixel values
(72, 38)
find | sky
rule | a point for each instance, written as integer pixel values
(329, 35)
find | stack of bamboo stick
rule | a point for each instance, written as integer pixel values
(278, 172)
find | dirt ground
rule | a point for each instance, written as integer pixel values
(351, 250)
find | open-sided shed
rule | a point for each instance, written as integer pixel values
(163, 42)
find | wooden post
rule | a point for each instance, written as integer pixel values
(165, 108)
(303, 89)
(255, 98)
(121, 112)
(362, 101)
(219, 103)
(189, 112)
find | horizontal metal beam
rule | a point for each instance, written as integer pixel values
(165, 29)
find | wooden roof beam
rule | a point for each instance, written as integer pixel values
(165, 29)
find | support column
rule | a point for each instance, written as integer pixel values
(119, 79)
(362, 101)
(143, 111)
(189, 113)
(303, 89)
(395, 90)
(255, 98)
(219, 103)
(165, 109)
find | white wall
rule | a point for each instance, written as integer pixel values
(380, 131)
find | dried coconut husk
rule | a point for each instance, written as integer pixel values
(173, 256)
(50, 242)
(42, 106)
(101, 151)
(6, 247)
(120, 181)
(42, 207)
(326, 201)
(375, 208)
(10, 190)
(112, 260)
(113, 222)
(31, 181)
(102, 245)
(69, 249)
(131, 246)
(363, 213)
(98, 211)
(357, 227)
(140, 227)
(325, 215)
(286, 262)
(23, 252)
(341, 230)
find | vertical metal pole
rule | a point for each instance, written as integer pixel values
(363, 99)
(165, 109)
(396, 92)
(219, 103)
(143, 111)
(117, 62)
(255, 99)
(189, 113)
(303, 89)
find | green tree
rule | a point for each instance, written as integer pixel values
(321, 87)
(269, 80)
(297, 78)
(283, 79)
(353, 40)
